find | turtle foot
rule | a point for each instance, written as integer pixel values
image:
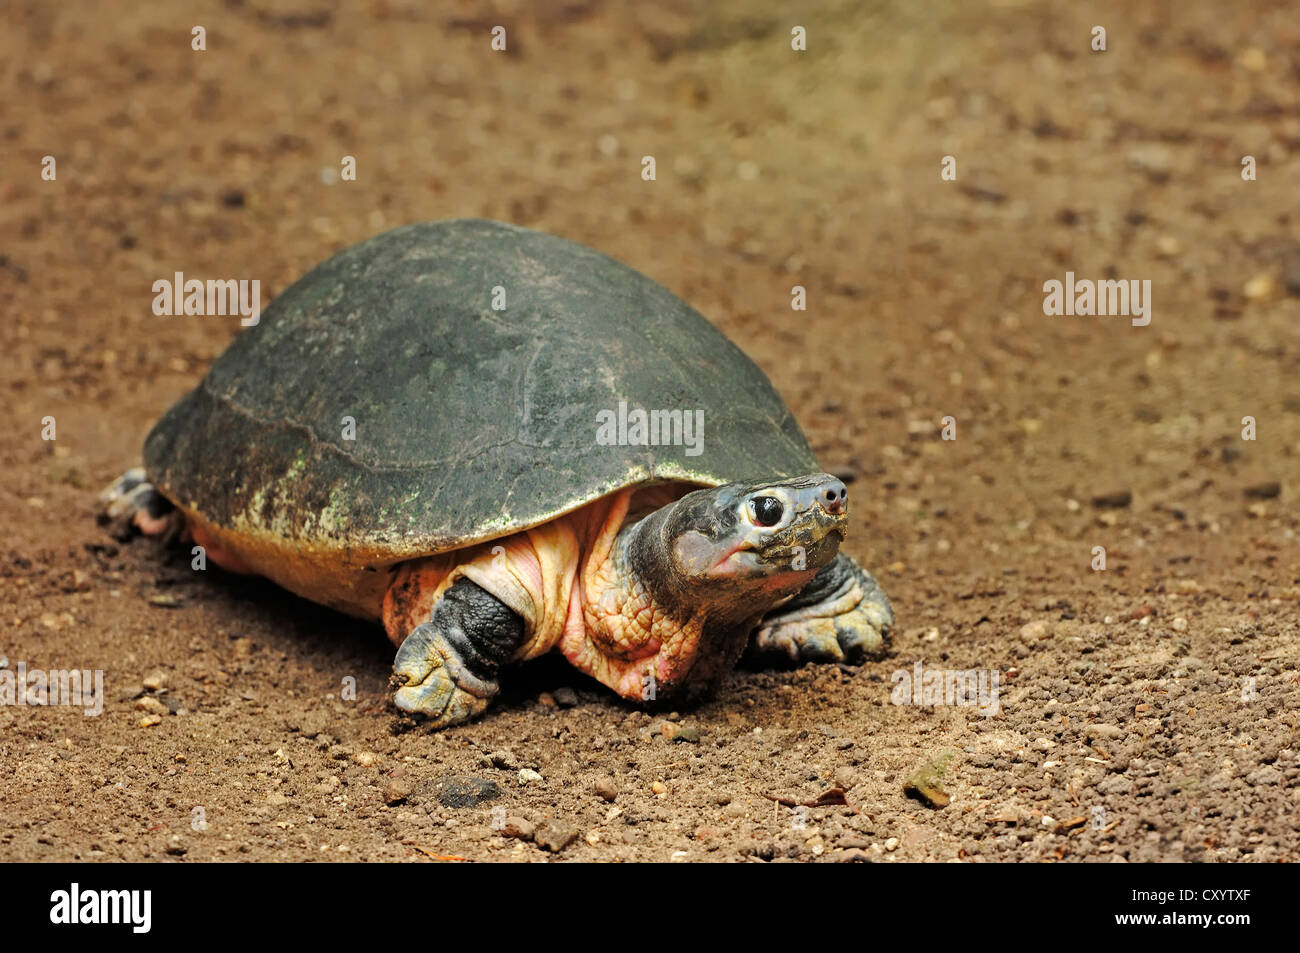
(435, 682)
(842, 616)
(446, 668)
(131, 505)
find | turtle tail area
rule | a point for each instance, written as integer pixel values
(131, 505)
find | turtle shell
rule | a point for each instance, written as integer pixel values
(383, 409)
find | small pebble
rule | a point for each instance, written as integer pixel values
(1109, 732)
(1268, 490)
(465, 790)
(528, 776)
(1154, 160)
(151, 705)
(1114, 499)
(1259, 288)
(1253, 59)
(519, 828)
(680, 733)
(504, 759)
(554, 835)
(605, 787)
(1035, 630)
(398, 790)
(891, 844)
(854, 855)
(925, 783)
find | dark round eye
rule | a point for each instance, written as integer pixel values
(767, 510)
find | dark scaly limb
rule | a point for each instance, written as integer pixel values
(447, 668)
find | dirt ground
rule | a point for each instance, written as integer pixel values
(1146, 712)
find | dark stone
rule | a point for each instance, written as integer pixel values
(464, 790)
(1268, 490)
(1115, 499)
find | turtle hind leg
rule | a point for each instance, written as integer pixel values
(446, 669)
(840, 616)
(131, 505)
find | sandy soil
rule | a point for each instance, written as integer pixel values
(1146, 712)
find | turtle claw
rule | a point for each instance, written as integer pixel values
(437, 683)
(123, 485)
(848, 638)
(131, 504)
(848, 619)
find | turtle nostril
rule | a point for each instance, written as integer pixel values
(833, 497)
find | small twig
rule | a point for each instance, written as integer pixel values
(827, 798)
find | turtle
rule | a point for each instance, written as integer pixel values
(498, 443)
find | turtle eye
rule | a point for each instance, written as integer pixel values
(766, 510)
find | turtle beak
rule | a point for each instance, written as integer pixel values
(822, 491)
(833, 496)
(821, 521)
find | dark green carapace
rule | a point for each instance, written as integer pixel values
(470, 422)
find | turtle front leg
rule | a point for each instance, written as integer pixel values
(841, 615)
(446, 669)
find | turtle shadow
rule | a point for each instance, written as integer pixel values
(524, 683)
(328, 642)
(311, 635)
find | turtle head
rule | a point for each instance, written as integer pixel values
(737, 550)
(692, 579)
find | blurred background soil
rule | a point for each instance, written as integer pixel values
(1147, 712)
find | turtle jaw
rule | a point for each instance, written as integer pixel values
(797, 552)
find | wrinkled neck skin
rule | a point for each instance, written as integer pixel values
(653, 633)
